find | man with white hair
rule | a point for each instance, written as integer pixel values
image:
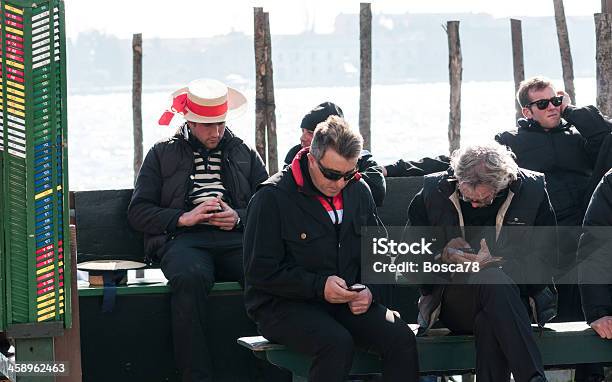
(485, 209)
(189, 200)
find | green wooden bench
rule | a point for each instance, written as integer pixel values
(562, 345)
(134, 342)
(155, 288)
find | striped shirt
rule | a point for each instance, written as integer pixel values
(207, 178)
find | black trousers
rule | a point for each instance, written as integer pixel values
(488, 304)
(192, 262)
(330, 332)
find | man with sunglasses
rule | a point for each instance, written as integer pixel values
(560, 140)
(302, 260)
(370, 171)
(563, 142)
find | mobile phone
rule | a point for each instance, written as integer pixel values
(356, 288)
(462, 251)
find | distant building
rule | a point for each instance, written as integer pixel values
(406, 48)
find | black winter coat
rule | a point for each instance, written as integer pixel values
(566, 155)
(291, 245)
(166, 178)
(370, 171)
(527, 205)
(595, 253)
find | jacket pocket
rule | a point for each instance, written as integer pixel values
(305, 244)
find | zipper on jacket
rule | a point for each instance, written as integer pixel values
(189, 181)
(336, 223)
(231, 188)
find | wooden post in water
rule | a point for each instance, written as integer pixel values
(260, 72)
(365, 73)
(137, 100)
(455, 69)
(270, 104)
(564, 47)
(603, 58)
(518, 62)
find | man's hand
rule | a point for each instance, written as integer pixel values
(362, 303)
(335, 291)
(201, 213)
(226, 219)
(484, 255)
(603, 327)
(566, 99)
(456, 243)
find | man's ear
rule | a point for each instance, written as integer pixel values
(527, 113)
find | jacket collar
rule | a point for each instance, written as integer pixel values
(448, 187)
(297, 178)
(229, 139)
(533, 126)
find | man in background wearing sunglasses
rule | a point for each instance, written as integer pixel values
(302, 261)
(563, 142)
(370, 171)
(560, 140)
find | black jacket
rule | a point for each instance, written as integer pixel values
(291, 245)
(526, 205)
(421, 167)
(166, 178)
(566, 155)
(594, 253)
(370, 171)
(603, 164)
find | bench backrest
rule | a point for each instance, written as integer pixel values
(400, 191)
(103, 232)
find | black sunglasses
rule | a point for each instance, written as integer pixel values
(543, 103)
(335, 175)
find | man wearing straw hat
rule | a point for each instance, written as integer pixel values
(189, 200)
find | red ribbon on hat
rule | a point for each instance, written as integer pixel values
(182, 102)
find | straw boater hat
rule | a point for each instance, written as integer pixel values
(116, 269)
(205, 101)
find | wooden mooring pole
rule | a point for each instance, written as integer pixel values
(137, 100)
(260, 72)
(270, 105)
(365, 73)
(603, 58)
(455, 69)
(564, 48)
(518, 62)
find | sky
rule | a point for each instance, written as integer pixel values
(207, 18)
